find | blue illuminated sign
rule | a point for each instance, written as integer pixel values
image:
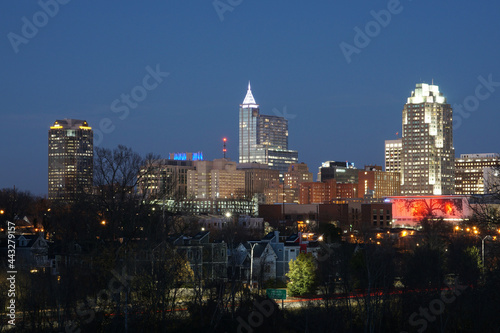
(184, 156)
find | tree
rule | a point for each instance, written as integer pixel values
(117, 174)
(302, 275)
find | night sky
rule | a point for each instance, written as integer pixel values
(80, 62)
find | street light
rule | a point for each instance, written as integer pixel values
(251, 263)
(487, 237)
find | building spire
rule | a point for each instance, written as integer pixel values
(249, 101)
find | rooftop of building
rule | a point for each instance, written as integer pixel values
(249, 101)
(426, 93)
(70, 124)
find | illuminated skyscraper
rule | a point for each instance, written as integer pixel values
(71, 155)
(263, 139)
(475, 173)
(393, 150)
(428, 156)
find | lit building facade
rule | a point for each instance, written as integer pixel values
(297, 173)
(166, 179)
(258, 178)
(408, 211)
(375, 183)
(263, 139)
(342, 172)
(217, 179)
(472, 171)
(71, 159)
(279, 193)
(428, 156)
(316, 192)
(393, 151)
(326, 191)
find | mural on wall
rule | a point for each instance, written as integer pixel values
(418, 208)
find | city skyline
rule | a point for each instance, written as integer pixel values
(188, 69)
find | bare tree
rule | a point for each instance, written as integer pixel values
(119, 203)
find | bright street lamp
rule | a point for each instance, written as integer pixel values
(251, 264)
(487, 237)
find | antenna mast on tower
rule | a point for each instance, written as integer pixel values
(224, 150)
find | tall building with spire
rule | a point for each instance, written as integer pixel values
(262, 138)
(428, 156)
(71, 155)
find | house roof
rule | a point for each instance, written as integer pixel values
(32, 240)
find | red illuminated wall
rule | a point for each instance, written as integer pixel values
(416, 208)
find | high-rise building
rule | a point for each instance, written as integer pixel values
(428, 156)
(342, 172)
(473, 173)
(263, 139)
(377, 184)
(71, 159)
(217, 179)
(258, 178)
(326, 191)
(166, 179)
(297, 173)
(393, 149)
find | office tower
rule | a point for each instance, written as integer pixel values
(217, 179)
(263, 139)
(258, 178)
(393, 149)
(342, 172)
(71, 155)
(317, 192)
(166, 179)
(297, 173)
(375, 183)
(249, 114)
(474, 173)
(428, 156)
(326, 191)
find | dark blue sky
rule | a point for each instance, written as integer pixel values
(91, 52)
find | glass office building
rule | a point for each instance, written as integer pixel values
(428, 156)
(262, 138)
(71, 155)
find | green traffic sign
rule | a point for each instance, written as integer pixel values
(276, 293)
